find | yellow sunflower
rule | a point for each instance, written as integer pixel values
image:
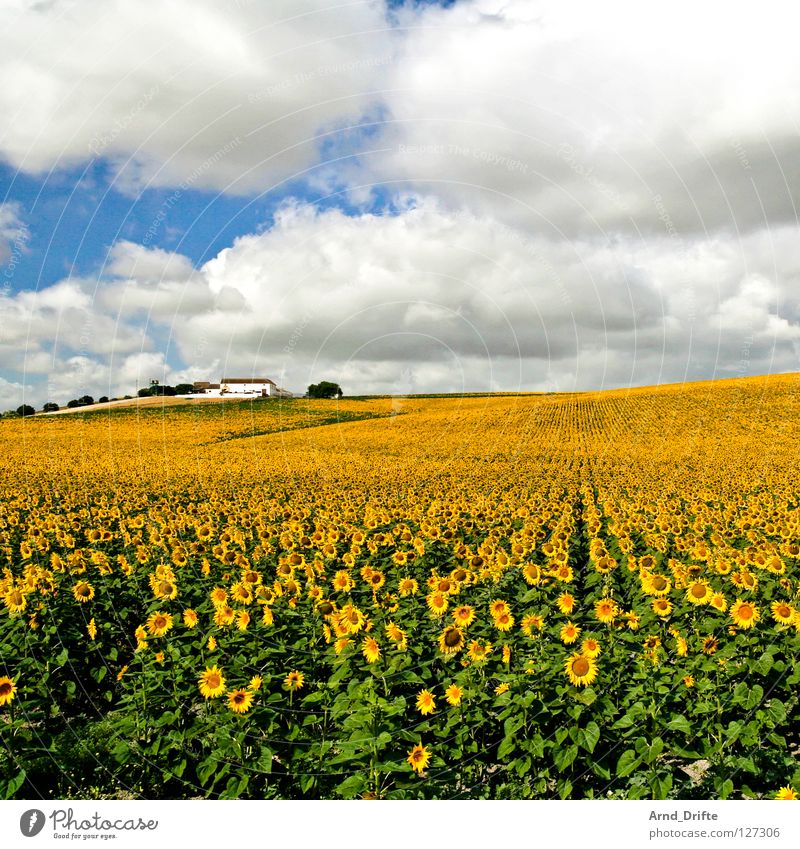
(370, 649)
(699, 592)
(453, 695)
(408, 586)
(590, 647)
(159, 623)
(437, 603)
(504, 622)
(451, 640)
(787, 792)
(83, 592)
(566, 603)
(239, 701)
(581, 669)
(419, 758)
(479, 651)
(605, 610)
(7, 690)
(783, 613)
(569, 633)
(498, 607)
(744, 614)
(662, 606)
(212, 683)
(530, 623)
(189, 618)
(464, 615)
(426, 703)
(294, 681)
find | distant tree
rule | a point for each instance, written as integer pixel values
(85, 400)
(167, 390)
(184, 389)
(103, 399)
(325, 389)
(51, 407)
(25, 410)
(145, 393)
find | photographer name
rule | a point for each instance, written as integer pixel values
(684, 816)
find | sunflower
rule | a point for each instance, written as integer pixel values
(501, 688)
(341, 644)
(532, 622)
(590, 647)
(242, 620)
(426, 703)
(688, 681)
(581, 669)
(787, 792)
(212, 683)
(294, 681)
(408, 586)
(783, 613)
(453, 695)
(395, 634)
(744, 614)
(255, 683)
(506, 654)
(267, 617)
(532, 574)
(418, 758)
(370, 649)
(451, 640)
(7, 690)
(498, 607)
(719, 602)
(437, 603)
(83, 592)
(189, 618)
(241, 593)
(159, 623)
(504, 622)
(165, 590)
(662, 606)
(656, 585)
(710, 645)
(219, 596)
(91, 628)
(605, 610)
(464, 615)
(224, 616)
(239, 701)
(699, 592)
(566, 603)
(569, 633)
(479, 651)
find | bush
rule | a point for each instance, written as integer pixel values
(324, 389)
(85, 400)
(103, 399)
(73, 403)
(25, 410)
(51, 407)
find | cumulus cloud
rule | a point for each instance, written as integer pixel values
(231, 96)
(427, 299)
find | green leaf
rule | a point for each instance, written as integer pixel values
(726, 789)
(589, 736)
(627, 763)
(680, 723)
(777, 710)
(563, 758)
(507, 746)
(352, 786)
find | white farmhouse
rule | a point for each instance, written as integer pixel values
(241, 387)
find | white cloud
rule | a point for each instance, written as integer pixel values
(228, 95)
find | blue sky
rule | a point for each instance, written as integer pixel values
(426, 196)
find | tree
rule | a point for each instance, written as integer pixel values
(103, 399)
(25, 410)
(73, 403)
(324, 389)
(51, 407)
(145, 393)
(85, 400)
(184, 389)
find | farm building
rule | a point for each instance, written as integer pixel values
(259, 387)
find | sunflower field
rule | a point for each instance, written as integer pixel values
(508, 596)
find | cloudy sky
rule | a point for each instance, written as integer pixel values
(401, 197)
